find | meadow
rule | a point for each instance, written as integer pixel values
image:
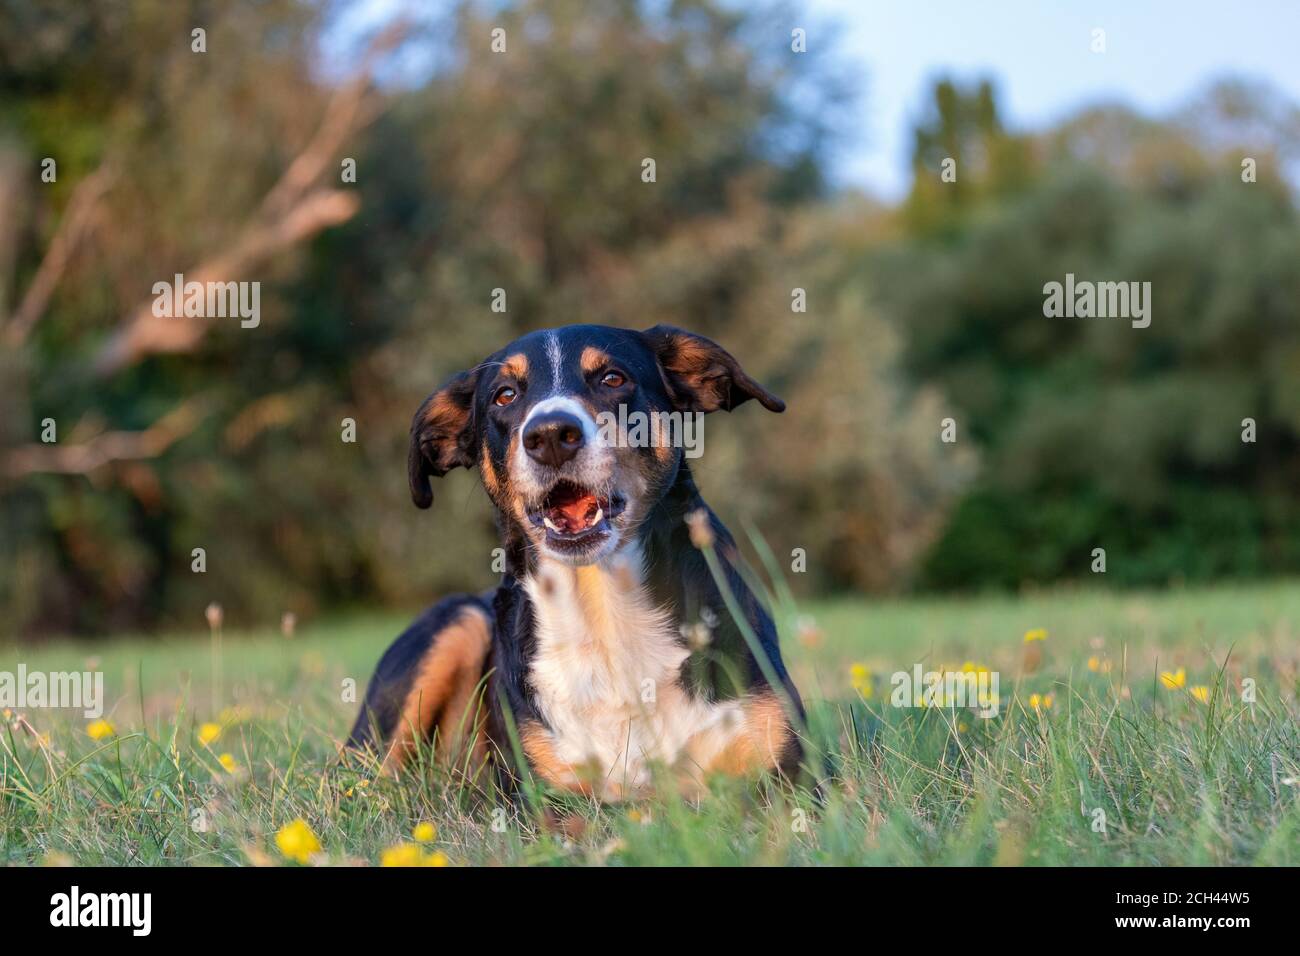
(1134, 728)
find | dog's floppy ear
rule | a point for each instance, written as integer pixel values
(441, 436)
(701, 375)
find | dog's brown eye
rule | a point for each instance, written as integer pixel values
(613, 379)
(504, 396)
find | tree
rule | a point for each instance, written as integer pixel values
(1093, 432)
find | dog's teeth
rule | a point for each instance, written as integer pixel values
(600, 513)
(551, 524)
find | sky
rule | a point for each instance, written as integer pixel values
(1158, 54)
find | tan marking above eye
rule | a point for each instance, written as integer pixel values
(516, 365)
(592, 359)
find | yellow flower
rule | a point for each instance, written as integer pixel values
(1040, 701)
(360, 785)
(404, 854)
(1094, 663)
(208, 733)
(228, 763)
(297, 841)
(424, 832)
(100, 729)
(634, 815)
(1201, 693)
(1173, 680)
(963, 727)
(860, 678)
(411, 854)
(1037, 634)
(8, 714)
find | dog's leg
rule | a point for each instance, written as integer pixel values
(762, 740)
(586, 779)
(756, 738)
(539, 747)
(429, 684)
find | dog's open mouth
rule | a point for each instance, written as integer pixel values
(570, 512)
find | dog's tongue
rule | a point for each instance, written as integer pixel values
(571, 508)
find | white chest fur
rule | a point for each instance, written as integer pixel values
(606, 676)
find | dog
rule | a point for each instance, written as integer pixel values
(607, 654)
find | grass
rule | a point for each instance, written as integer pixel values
(1176, 780)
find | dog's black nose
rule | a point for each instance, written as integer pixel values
(552, 438)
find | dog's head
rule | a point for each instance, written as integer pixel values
(578, 431)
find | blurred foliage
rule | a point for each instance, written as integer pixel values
(522, 172)
(1094, 433)
(518, 171)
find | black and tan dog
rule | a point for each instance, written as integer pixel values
(606, 650)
